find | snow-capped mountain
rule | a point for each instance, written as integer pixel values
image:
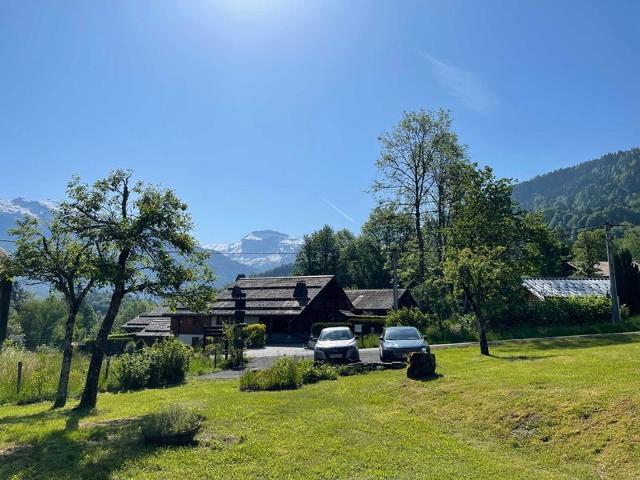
(261, 250)
(16, 209)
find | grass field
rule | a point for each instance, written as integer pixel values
(545, 410)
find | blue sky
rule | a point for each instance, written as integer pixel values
(265, 114)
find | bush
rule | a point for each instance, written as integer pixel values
(250, 381)
(256, 335)
(175, 425)
(132, 371)
(164, 363)
(371, 340)
(410, 317)
(556, 311)
(283, 375)
(313, 373)
(169, 362)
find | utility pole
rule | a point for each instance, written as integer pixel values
(613, 288)
(394, 266)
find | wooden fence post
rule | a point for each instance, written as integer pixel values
(19, 384)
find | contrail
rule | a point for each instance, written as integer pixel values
(338, 210)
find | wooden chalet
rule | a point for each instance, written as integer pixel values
(288, 306)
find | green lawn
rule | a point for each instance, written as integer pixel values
(550, 409)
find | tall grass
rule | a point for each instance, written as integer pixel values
(40, 372)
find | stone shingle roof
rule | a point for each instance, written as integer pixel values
(267, 296)
(566, 287)
(380, 299)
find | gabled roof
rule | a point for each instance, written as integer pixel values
(379, 299)
(566, 287)
(271, 296)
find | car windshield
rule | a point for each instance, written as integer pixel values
(342, 334)
(405, 333)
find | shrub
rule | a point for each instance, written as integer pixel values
(371, 340)
(555, 311)
(174, 425)
(168, 362)
(283, 375)
(131, 371)
(411, 317)
(256, 335)
(313, 373)
(376, 324)
(200, 364)
(250, 381)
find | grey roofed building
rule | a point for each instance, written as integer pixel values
(541, 288)
(288, 306)
(379, 301)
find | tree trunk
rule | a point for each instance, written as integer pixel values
(480, 323)
(484, 344)
(420, 238)
(5, 301)
(67, 355)
(90, 394)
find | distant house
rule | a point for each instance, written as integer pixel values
(288, 306)
(539, 289)
(161, 322)
(379, 302)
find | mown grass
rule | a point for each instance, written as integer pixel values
(553, 409)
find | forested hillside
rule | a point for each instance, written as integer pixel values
(589, 193)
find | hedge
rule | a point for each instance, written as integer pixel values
(555, 311)
(115, 344)
(377, 323)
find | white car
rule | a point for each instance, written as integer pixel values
(336, 344)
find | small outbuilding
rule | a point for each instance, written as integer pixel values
(379, 302)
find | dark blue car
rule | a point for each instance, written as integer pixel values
(396, 343)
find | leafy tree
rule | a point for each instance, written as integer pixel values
(485, 246)
(363, 264)
(42, 321)
(488, 278)
(588, 250)
(413, 165)
(628, 280)
(631, 241)
(68, 265)
(544, 252)
(143, 241)
(6, 279)
(319, 253)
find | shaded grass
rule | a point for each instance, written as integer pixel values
(550, 410)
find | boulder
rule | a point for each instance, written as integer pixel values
(421, 365)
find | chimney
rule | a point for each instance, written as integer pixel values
(301, 293)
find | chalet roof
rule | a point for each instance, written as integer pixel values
(379, 299)
(160, 327)
(566, 287)
(271, 296)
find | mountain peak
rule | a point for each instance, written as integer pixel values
(261, 249)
